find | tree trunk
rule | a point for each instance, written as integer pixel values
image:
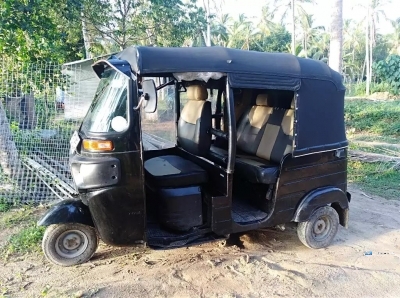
(9, 159)
(86, 38)
(371, 47)
(207, 38)
(367, 67)
(293, 29)
(336, 44)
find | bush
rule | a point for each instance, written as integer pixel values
(388, 71)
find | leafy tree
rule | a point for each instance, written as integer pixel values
(40, 30)
(277, 41)
(144, 22)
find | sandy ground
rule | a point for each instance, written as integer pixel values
(271, 264)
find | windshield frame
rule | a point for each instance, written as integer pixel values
(129, 90)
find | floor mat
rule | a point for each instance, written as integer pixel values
(244, 212)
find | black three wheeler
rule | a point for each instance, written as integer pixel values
(269, 149)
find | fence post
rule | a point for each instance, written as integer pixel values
(9, 158)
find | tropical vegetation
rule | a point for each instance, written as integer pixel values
(67, 30)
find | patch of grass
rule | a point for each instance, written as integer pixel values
(26, 240)
(373, 138)
(4, 207)
(376, 178)
(374, 117)
(379, 149)
(17, 216)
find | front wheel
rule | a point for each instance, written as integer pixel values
(69, 244)
(321, 228)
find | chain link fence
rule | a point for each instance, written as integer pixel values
(40, 106)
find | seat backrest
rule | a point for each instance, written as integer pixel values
(265, 131)
(195, 122)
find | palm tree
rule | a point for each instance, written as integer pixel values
(292, 6)
(354, 49)
(374, 12)
(241, 33)
(309, 33)
(336, 29)
(395, 37)
(267, 25)
(219, 30)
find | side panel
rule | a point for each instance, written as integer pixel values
(119, 212)
(299, 176)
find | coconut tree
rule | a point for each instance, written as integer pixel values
(374, 13)
(395, 37)
(219, 29)
(291, 6)
(354, 49)
(309, 33)
(241, 33)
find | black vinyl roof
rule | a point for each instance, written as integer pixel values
(244, 68)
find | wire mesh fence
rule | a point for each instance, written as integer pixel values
(41, 105)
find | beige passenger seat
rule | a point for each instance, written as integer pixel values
(265, 136)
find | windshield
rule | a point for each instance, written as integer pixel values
(110, 101)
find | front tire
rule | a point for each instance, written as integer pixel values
(320, 230)
(69, 244)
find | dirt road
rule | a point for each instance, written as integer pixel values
(271, 264)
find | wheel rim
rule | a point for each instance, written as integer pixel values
(322, 228)
(71, 244)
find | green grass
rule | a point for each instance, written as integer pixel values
(4, 207)
(28, 235)
(373, 117)
(378, 178)
(19, 216)
(26, 240)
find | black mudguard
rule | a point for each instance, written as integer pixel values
(67, 211)
(333, 196)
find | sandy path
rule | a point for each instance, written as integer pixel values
(272, 263)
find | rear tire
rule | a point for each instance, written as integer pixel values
(69, 244)
(320, 230)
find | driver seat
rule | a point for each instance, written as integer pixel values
(193, 136)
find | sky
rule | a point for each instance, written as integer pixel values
(252, 9)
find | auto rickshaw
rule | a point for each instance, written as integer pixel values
(270, 150)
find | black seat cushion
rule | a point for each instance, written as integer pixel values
(173, 171)
(217, 154)
(253, 168)
(257, 170)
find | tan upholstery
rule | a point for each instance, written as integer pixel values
(266, 132)
(259, 115)
(197, 92)
(197, 95)
(192, 111)
(262, 100)
(195, 122)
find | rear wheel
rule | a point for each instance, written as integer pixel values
(69, 244)
(320, 230)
